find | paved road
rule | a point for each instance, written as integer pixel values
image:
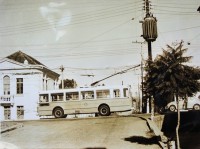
(98, 133)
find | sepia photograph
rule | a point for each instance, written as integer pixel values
(99, 74)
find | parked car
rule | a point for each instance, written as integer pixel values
(192, 103)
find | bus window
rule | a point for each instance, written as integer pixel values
(116, 92)
(57, 96)
(44, 98)
(87, 95)
(103, 93)
(72, 96)
(125, 90)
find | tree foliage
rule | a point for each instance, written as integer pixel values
(169, 74)
(68, 84)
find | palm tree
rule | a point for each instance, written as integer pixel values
(168, 75)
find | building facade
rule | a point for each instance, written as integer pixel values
(21, 79)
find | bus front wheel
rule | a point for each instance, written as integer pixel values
(104, 110)
(58, 112)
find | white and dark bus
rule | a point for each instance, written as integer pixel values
(100, 100)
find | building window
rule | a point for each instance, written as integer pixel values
(7, 113)
(19, 85)
(20, 112)
(6, 85)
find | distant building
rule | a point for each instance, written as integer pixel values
(21, 78)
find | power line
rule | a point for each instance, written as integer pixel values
(50, 28)
(193, 27)
(172, 3)
(89, 55)
(194, 37)
(78, 42)
(81, 16)
(99, 35)
(102, 68)
(184, 12)
(172, 7)
(107, 31)
(78, 5)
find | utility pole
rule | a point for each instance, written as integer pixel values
(62, 81)
(142, 78)
(149, 27)
(148, 41)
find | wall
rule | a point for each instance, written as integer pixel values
(32, 84)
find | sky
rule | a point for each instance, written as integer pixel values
(93, 39)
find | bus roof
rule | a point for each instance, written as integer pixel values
(83, 89)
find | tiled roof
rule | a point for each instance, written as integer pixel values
(21, 57)
(24, 58)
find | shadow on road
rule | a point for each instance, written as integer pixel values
(143, 140)
(94, 148)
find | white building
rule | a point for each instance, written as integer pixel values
(21, 78)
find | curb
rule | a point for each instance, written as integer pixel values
(18, 125)
(163, 139)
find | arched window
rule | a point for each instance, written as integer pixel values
(6, 85)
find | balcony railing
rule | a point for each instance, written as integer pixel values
(7, 99)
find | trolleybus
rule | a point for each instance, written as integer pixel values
(100, 100)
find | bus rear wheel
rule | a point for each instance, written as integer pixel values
(104, 110)
(58, 112)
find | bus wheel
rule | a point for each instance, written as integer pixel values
(58, 112)
(104, 110)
